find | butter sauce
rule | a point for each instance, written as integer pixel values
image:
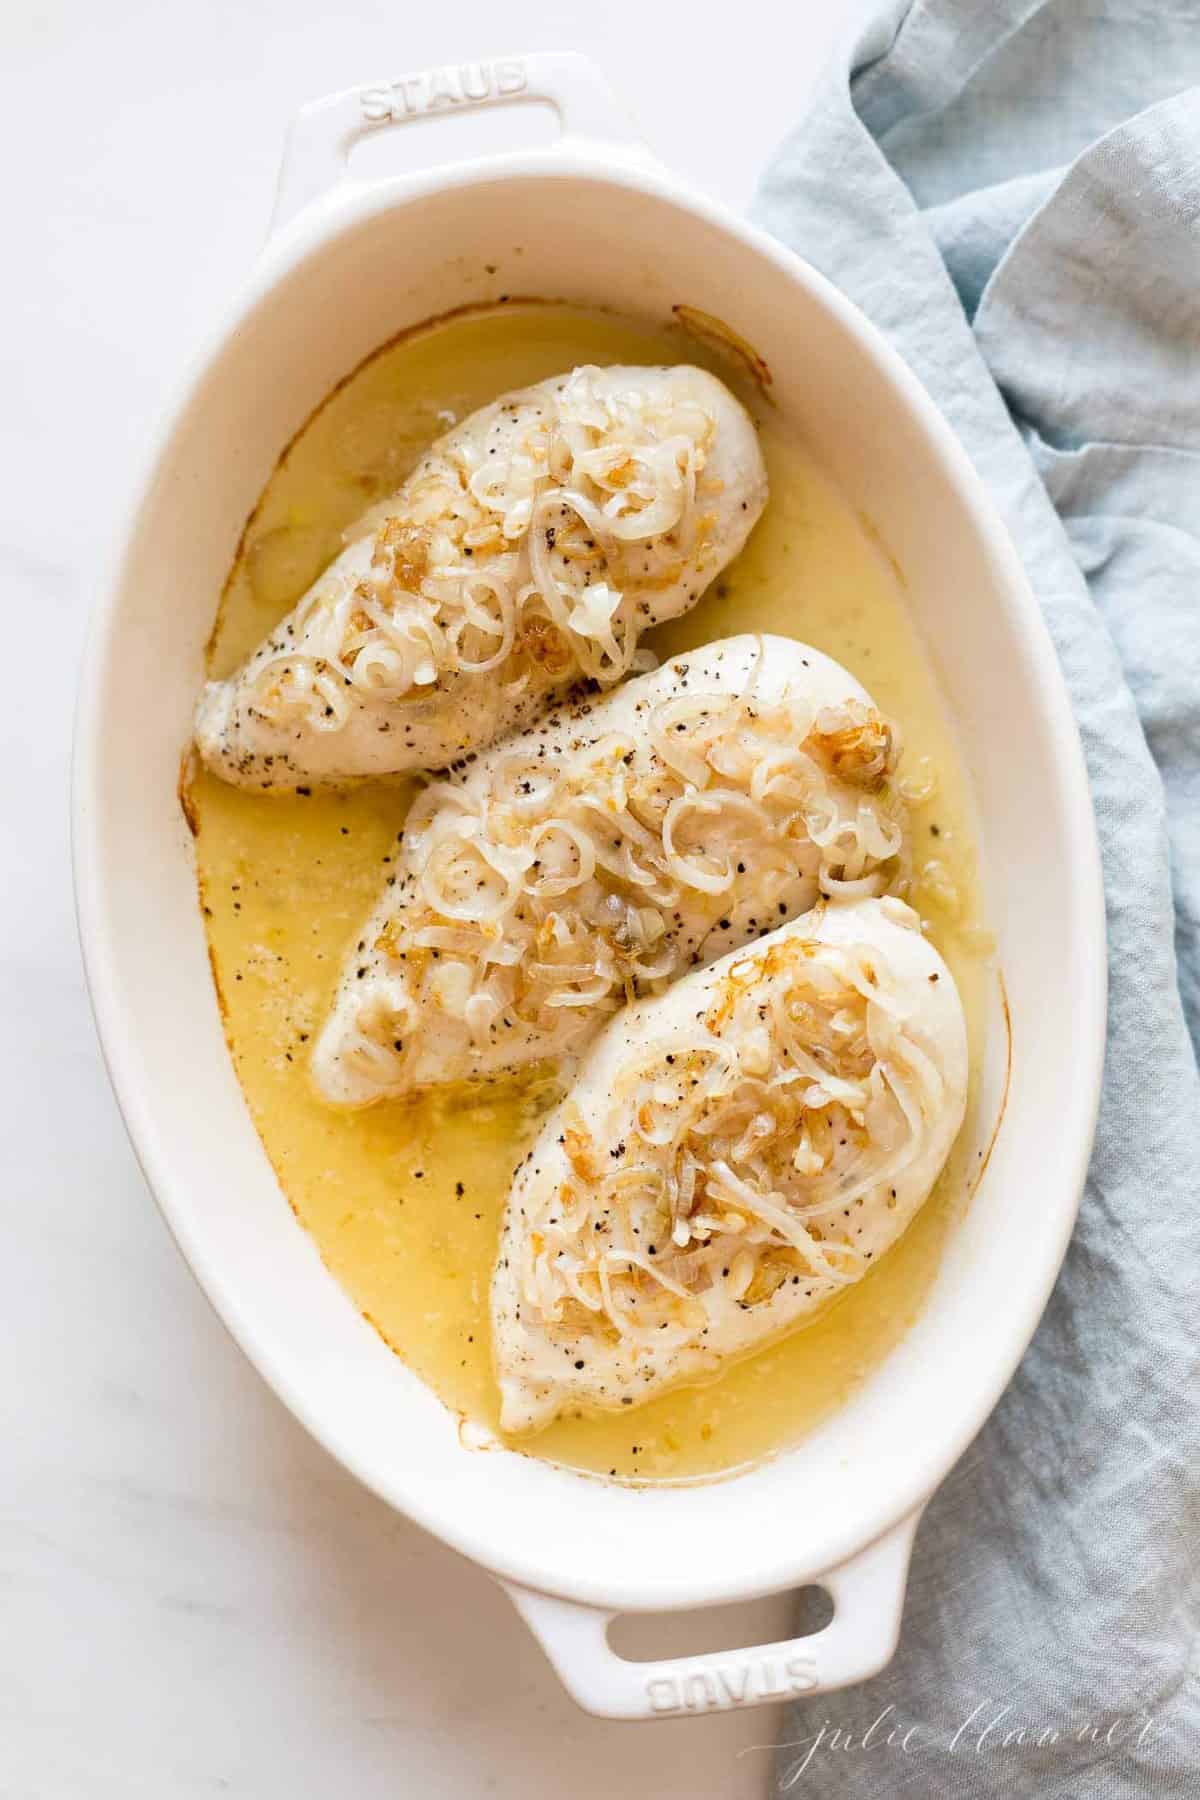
(404, 1200)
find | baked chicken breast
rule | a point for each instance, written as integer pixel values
(527, 551)
(603, 852)
(733, 1154)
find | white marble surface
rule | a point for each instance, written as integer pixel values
(193, 1598)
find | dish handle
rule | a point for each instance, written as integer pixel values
(868, 1598)
(322, 134)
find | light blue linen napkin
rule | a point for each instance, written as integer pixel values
(1011, 189)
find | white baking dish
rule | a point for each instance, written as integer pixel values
(592, 218)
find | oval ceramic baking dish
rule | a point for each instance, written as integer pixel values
(595, 219)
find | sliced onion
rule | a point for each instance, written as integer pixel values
(691, 874)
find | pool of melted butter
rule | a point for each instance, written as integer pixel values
(404, 1200)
